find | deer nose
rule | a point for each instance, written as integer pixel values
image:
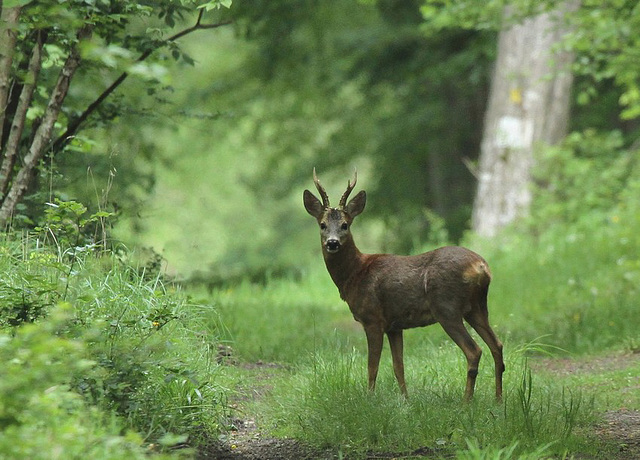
(333, 245)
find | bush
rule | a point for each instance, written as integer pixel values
(329, 406)
(41, 415)
(96, 348)
(155, 363)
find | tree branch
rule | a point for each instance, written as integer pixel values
(74, 125)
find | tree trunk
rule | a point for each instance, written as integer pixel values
(528, 106)
(43, 134)
(19, 118)
(8, 33)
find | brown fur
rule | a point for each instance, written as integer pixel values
(389, 293)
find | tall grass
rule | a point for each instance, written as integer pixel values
(573, 282)
(43, 415)
(328, 405)
(575, 287)
(570, 288)
(158, 364)
(576, 284)
(285, 320)
(102, 358)
(572, 270)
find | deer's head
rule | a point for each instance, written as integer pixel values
(335, 223)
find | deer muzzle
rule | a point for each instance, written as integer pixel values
(332, 245)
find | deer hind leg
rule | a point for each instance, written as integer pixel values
(395, 343)
(479, 320)
(458, 333)
(374, 344)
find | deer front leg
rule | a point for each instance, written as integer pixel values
(374, 345)
(395, 342)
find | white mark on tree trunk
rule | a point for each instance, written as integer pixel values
(513, 132)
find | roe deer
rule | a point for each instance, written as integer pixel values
(388, 293)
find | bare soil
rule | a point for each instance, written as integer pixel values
(245, 441)
(623, 428)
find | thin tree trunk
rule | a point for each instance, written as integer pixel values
(42, 135)
(528, 106)
(19, 118)
(8, 33)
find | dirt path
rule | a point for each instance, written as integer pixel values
(623, 428)
(246, 442)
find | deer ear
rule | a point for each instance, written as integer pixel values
(356, 205)
(312, 204)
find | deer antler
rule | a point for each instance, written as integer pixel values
(350, 186)
(321, 190)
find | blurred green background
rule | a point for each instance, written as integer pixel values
(209, 169)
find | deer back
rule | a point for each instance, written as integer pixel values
(402, 292)
(397, 292)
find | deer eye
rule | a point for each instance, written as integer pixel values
(345, 226)
(323, 226)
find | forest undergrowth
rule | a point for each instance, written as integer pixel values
(565, 286)
(104, 357)
(108, 357)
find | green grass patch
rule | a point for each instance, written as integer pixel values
(283, 321)
(576, 287)
(614, 377)
(326, 403)
(42, 414)
(324, 400)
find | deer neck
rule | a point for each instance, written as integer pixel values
(343, 265)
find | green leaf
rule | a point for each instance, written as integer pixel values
(215, 5)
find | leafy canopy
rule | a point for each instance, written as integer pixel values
(603, 36)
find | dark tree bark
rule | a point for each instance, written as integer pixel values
(20, 116)
(8, 28)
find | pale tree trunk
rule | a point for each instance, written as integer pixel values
(528, 107)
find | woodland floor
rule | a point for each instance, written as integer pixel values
(246, 442)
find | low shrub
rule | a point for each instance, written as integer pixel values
(96, 348)
(42, 415)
